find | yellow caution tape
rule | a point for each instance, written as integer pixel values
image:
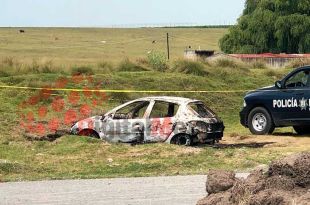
(123, 91)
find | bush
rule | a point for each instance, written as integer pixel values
(259, 65)
(128, 66)
(4, 73)
(82, 70)
(142, 61)
(190, 67)
(157, 61)
(273, 73)
(298, 63)
(47, 67)
(9, 61)
(104, 65)
(120, 97)
(224, 62)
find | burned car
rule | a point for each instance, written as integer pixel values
(172, 120)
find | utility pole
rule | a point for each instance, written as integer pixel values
(168, 46)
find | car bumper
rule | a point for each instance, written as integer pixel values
(209, 137)
(243, 117)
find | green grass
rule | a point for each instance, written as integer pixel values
(75, 46)
(78, 157)
(29, 60)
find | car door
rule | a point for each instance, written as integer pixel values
(128, 123)
(292, 103)
(160, 120)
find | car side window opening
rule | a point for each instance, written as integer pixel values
(164, 109)
(300, 79)
(201, 110)
(134, 110)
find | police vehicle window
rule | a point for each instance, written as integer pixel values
(134, 110)
(201, 110)
(300, 79)
(164, 109)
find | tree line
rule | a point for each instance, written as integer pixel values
(276, 26)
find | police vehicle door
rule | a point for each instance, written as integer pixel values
(295, 98)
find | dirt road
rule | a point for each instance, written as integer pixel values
(151, 190)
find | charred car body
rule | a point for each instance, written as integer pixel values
(283, 105)
(172, 120)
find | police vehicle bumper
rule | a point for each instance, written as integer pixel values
(243, 117)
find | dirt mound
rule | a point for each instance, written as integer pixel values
(295, 166)
(286, 182)
(219, 199)
(219, 181)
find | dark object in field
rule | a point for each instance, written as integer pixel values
(48, 137)
(22, 31)
(286, 182)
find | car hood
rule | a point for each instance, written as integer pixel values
(268, 88)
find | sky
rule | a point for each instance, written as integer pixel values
(117, 13)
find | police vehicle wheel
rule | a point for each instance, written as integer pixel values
(260, 122)
(302, 130)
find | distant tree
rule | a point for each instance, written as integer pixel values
(270, 26)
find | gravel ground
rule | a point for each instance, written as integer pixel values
(179, 190)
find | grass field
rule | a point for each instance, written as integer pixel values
(78, 157)
(66, 46)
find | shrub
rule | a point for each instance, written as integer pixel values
(273, 73)
(8, 61)
(128, 66)
(33, 67)
(104, 65)
(158, 61)
(4, 73)
(298, 63)
(190, 67)
(259, 65)
(224, 62)
(82, 70)
(120, 97)
(142, 61)
(47, 67)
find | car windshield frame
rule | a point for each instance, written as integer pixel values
(208, 112)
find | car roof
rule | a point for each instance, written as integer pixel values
(178, 100)
(303, 67)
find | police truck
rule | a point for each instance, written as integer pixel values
(285, 104)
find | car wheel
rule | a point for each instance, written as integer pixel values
(183, 140)
(260, 122)
(302, 130)
(89, 133)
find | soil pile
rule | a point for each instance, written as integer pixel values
(287, 182)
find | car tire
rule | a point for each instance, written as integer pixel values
(89, 133)
(260, 122)
(302, 130)
(182, 140)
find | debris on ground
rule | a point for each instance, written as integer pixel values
(286, 182)
(49, 137)
(239, 137)
(242, 145)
